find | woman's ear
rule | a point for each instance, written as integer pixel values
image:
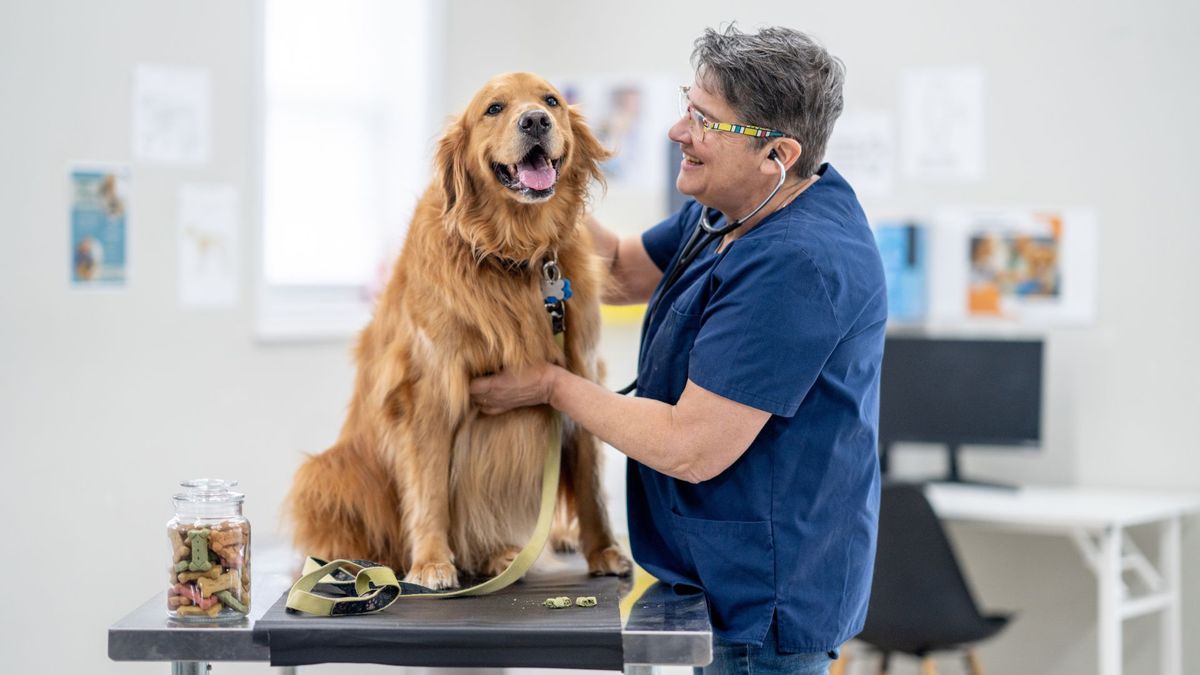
(451, 165)
(588, 150)
(787, 150)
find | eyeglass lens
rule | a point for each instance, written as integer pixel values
(695, 119)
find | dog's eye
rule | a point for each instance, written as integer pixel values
(552, 101)
(494, 109)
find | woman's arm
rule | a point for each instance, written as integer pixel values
(694, 440)
(632, 274)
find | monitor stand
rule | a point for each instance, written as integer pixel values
(953, 476)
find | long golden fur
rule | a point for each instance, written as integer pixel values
(418, 478)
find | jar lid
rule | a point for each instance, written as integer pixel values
(209, 491)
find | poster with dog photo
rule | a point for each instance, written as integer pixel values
(630, 115)
(1015, 265)
(99, 213)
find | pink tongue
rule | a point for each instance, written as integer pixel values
(537, 175)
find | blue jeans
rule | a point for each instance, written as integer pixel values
(733, 659)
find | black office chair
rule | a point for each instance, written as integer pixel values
(920, 602)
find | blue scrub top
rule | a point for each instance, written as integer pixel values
(789, 319)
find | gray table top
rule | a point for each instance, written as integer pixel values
(660, 627)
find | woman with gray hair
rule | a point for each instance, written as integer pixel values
(752, 439)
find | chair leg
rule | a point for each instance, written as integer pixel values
(974, 665)
(838, 667)
(928, 666)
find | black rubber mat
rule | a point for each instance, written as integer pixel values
(509, 628)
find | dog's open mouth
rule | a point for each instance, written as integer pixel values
(534, 176)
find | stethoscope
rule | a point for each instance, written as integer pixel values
(702, 236)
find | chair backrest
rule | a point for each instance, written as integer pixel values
(919, 592)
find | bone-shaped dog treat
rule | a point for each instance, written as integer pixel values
(177, 601)
(221, 583)
(199, 542)
(178, 546)
(230, 601)
(192, 593)
(229, 536)
(193, 610)
(213, 573)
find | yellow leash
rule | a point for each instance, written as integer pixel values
(376, 587)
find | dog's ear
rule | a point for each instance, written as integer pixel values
(589, 151)
(451, 165)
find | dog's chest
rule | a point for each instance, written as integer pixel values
(522, 323)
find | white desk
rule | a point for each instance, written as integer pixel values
(1096, 520)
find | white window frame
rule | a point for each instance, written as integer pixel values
(321, 313)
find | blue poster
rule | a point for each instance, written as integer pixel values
(902, 248)
(99, 212)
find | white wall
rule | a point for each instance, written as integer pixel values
(107, 400)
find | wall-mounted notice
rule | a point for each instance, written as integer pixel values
(863, 149)
(208, 260)
(99, 212)
(171, 113)
(943, 125)
(1031, 266)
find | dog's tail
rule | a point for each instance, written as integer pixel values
(343, 504)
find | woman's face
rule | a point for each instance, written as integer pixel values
(721, 170)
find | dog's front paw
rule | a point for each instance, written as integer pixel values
(436, 575)
(609, 561)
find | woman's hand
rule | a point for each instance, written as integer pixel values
(510, 389)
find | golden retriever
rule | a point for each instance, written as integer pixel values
(418, 478)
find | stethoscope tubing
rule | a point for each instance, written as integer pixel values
(704, 233)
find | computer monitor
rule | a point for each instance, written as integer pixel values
(960, 392)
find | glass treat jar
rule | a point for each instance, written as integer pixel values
(210, 553)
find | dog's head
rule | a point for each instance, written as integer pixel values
(517, 158)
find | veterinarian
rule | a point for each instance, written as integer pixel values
(752, 438)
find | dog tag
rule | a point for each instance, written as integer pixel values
(556, 290)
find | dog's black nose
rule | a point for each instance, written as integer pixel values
(534, 122)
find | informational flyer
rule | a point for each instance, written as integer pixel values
(863, 149)
(99, 214)
(942, 123)
(208, 256)
(1025, 265)
(172, 108)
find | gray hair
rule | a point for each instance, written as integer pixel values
(778, 78)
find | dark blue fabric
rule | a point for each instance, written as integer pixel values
(788, 319)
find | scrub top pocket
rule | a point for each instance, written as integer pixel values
(665, 364)
(736, 557)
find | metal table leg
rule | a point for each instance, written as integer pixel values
(1169, 557)
(1108, 580)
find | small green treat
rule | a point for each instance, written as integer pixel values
(230, 601)
(198, 540)
(561, 602)
(181, 566)
(586, 601)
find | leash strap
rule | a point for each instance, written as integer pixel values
(364, 587)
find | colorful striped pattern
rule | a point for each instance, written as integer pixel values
(746, 129)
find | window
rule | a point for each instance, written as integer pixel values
(348, 118)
